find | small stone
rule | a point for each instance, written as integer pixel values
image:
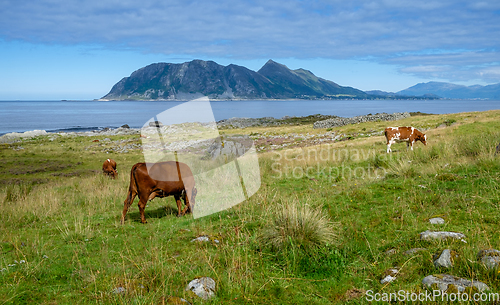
(119, 290)
(203, 238)
(436, 221)
(387, 279)
(390, 251)
(389, 276)
(203, 287)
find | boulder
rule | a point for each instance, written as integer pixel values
(204, 287)
(445, 259)
(432, 235)
(450, 283)
(13, 136)
(490, 258)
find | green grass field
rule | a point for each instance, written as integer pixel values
(317, 231)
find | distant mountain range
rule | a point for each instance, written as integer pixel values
(166, 81)
(452, 91)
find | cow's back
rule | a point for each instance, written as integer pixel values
(399, 133)
(170, 171)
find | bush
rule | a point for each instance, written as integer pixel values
(293, 225)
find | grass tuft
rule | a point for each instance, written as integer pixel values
(294, 225)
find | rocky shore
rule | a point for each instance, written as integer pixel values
(338, 121)
(319, 121)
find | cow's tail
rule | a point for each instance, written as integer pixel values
(386, 136)
(132, 189)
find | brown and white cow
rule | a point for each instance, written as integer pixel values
(170, 178)
(403, 134)
(109, 168)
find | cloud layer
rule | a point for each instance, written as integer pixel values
(455, 40)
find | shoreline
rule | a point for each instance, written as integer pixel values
(318, 121)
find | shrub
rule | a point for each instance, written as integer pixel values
(293, 225)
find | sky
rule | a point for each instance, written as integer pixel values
(76, 49)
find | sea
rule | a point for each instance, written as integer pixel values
(68, 116)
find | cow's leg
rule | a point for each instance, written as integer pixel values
(411, 145)
(127, 203)
(142, 205)
(186, 202)
(179, 205)
(389, 146)
(189, 199)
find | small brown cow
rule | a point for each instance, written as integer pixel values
(109, 168)
(170, 178)
(403, 134)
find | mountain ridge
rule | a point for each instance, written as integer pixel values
(445, 90)
(207, 78)
(196, 78)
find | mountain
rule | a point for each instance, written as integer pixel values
(392, 95)
(452, 91)
(207, 78)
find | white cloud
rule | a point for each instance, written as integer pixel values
(413, 35)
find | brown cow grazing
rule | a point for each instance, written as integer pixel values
(109, 168)
(176, 179)
(403, 134)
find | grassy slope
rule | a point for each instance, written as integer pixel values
(62, 218)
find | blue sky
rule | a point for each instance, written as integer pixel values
(55, 49)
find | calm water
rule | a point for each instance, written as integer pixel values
(20, 116)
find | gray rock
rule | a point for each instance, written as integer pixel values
(445, 259)
(389, 276)
(431, 235)
(443, 282)
(13, 136)
(203, 238)
(204, 287)
(490, 258)
(390, 251)
(229, 147)
(336, 122)
(436, 221)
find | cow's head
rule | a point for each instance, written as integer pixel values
(422, 138)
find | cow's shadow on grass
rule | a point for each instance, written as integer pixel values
(159, 212)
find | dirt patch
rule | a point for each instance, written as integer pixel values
(50, 166)
(353, 293)
(77, 173)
